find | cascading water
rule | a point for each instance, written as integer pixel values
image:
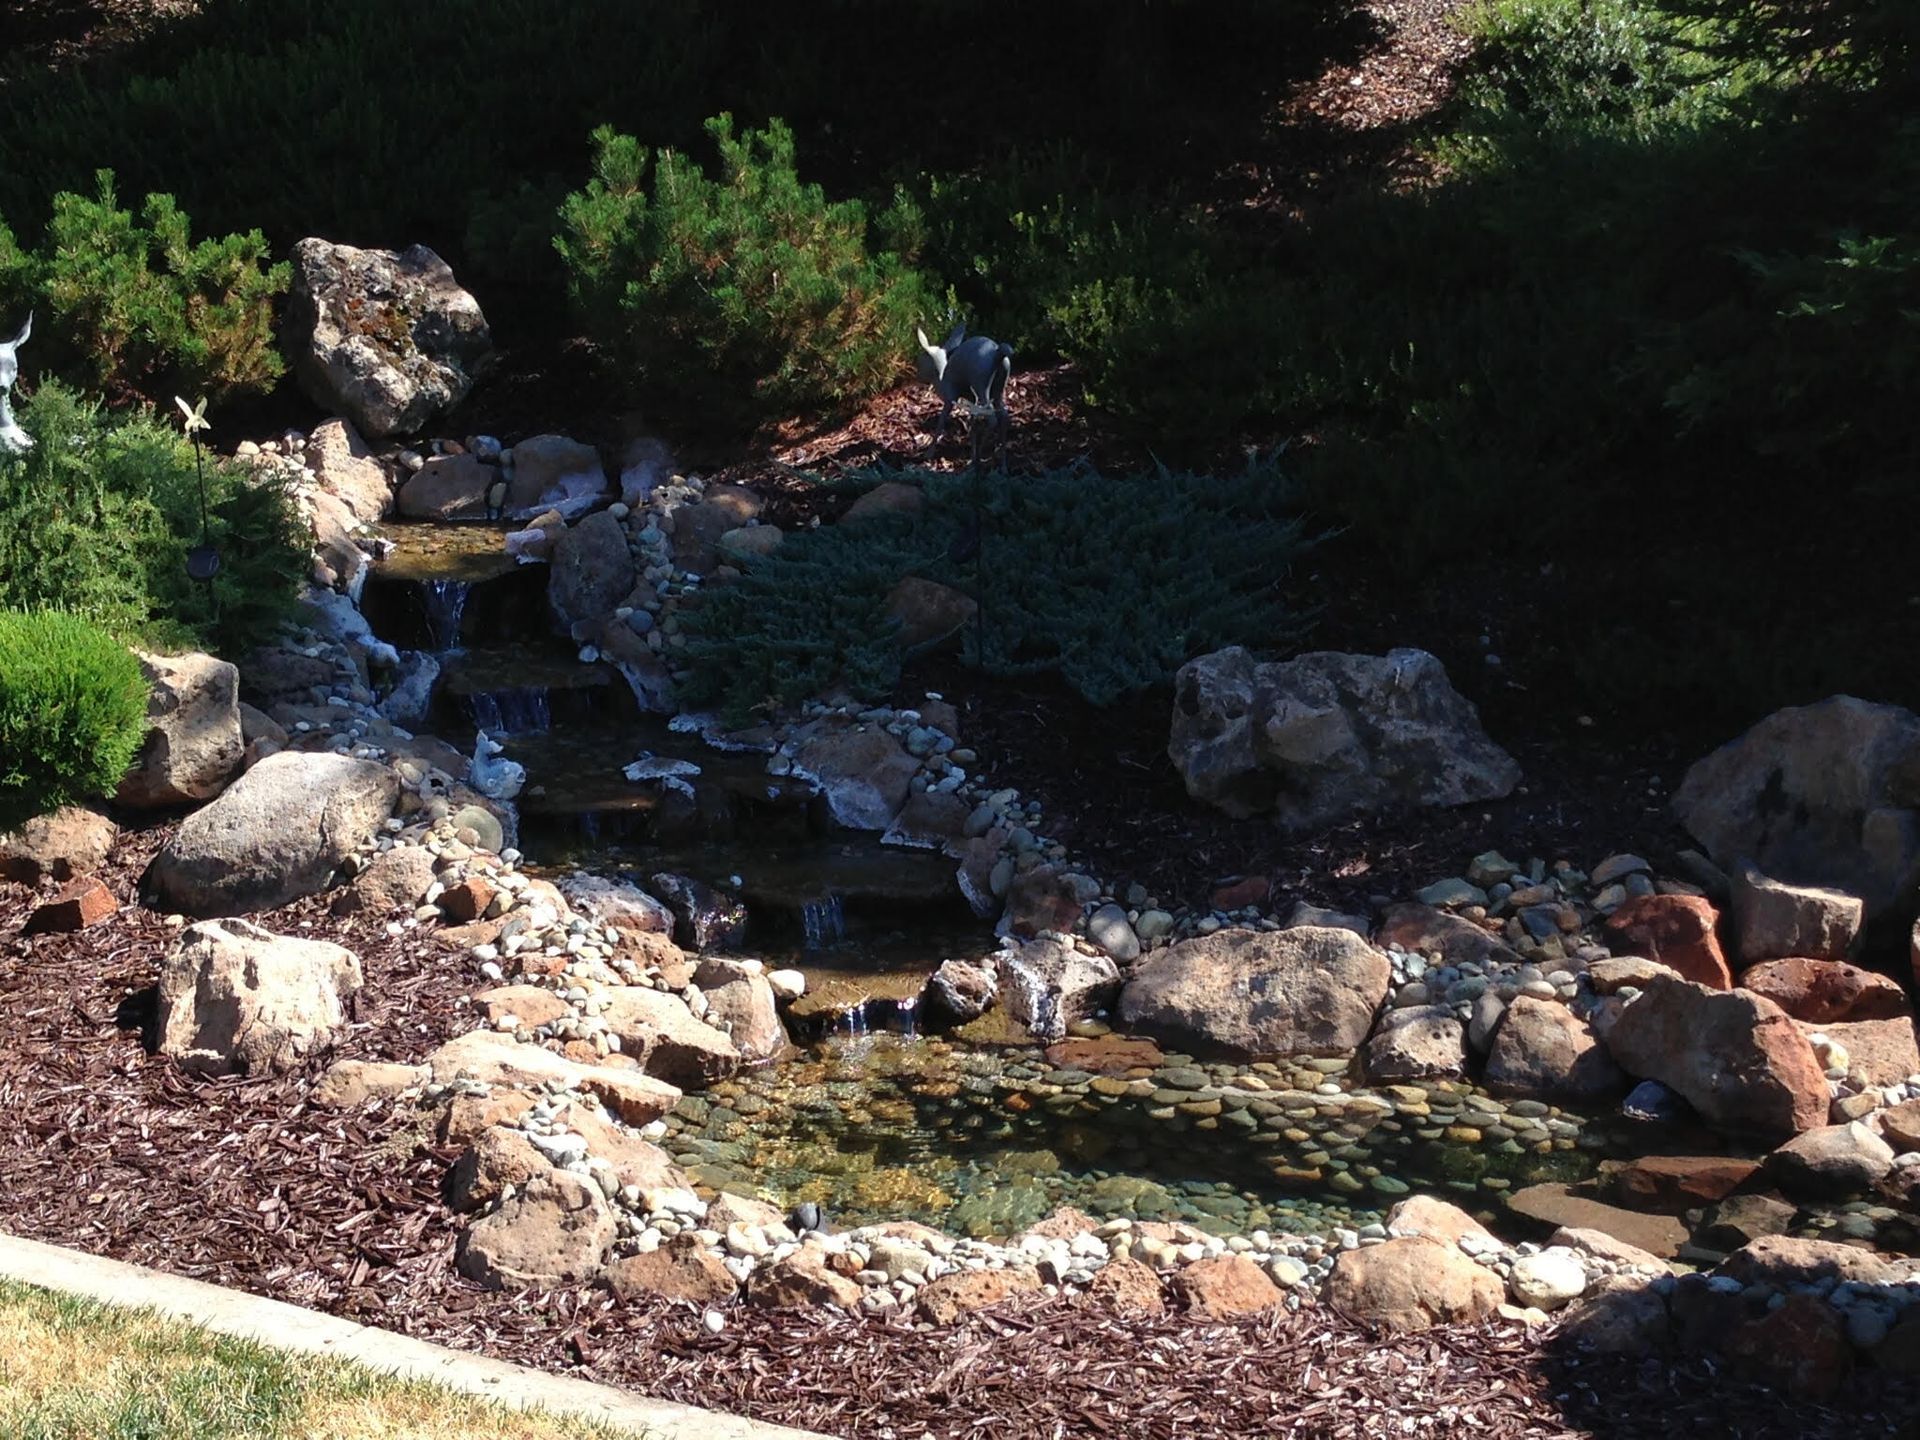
(525, 711)
(445, 603)
(823, 922)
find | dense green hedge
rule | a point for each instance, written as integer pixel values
(73, 709)
(98, 517)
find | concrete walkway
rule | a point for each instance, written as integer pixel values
(289, 1327)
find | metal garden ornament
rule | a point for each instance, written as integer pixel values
(203, 561)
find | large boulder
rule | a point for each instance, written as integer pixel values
(386, 338)
(1543, 1051)
(659, 1031)
(866, 773)
(555, 1232)
(741, 1004)
(1048, 985)
(1831, 1163)
(1736, 1057)
(344, 467)
(235, 997)
(193, 745)
(1413, 1284)
(68, 842)
(448, 487)
(554, 472)
(1773, 920)
(592, 569)
(1819, 794)
(1307, 991)
(1328, 736)
(278, 833)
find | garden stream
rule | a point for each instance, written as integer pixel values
(978, 1131)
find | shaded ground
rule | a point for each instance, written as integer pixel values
(107, 1149)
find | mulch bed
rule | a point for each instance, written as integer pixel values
(108, 1149)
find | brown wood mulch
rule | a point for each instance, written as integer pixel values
(107, 1149)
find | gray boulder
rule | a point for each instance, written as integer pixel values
(866, 774)
(1543, 1051)
(193, 745)
(1776, 921)
(235, 997)
(1819, 794)
(386, 338)
(1329, 736)
(1048, 985)
(278, 833)
(1831, 1162)
(592, 570)
(1418, 1043)
(1260, 994)
(553, 472)
(448, 487)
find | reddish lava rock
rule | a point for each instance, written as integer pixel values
(82, 901)
(1822, 991)
(1804, 1342)
(1675, 1184)
(1238, 894)
(1676, 930)
(467, 901)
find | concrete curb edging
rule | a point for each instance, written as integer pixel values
(289, 1327)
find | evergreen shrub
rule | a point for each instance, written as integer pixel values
(73, 709)
(750, 280)
(1113, 582)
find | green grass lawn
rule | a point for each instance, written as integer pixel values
(73, 1369)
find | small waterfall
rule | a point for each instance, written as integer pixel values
(907, 1011)
(445, 602)
(852, 1023)
(824, 922)
(512, 712)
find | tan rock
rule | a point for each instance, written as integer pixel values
(71, 841)
(1599, 1245)
(553, 1233)
(1542, 1050)
(1804, 1343)
(1412, 1284)
(681, 1269)
(1780, 1262)
(1559, 1205)
(1435, 1219)
(468, 1116)
(235, 997)
(498, 1157)
(1879, 1052)
(1675, 1184)
(344, 467)
(945, 1300)
(1225, 1288)
(532, 1005)
(350, 1083)
(1608, 977)
(659, 1031)
(193, 744)
(1900, 1126)
(728, 1209)
(803, 1280)
(741, 1005)
(496, 1059)
(1618, 1316)
(635, 1161)
(395, 880)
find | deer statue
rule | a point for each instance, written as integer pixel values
(13, 440)
(977, 368)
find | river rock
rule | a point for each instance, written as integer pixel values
(552, 472)
(1548, 1280)
(193, 745)
(1543, 1051)
(740, 1004)
(1677, 931)
(959, 991)
(277, 833)
(555, 1232)
(68, 842)
(386, 338)
(865, 774)
(681, 1269)
(1109, 928)
(659, 1031)
(1225, 1288)
(235, 997)
(1737, 1058)
(1258, 994)
(344, 467)
(928, 612)
(802, 1280)
(1328, 736)
(1412, 1284)
(1830, 1163)
(495, 1059)
(1417, 1043)
(591, 569)
(448, 487)
(1820, 991)
(1774, 921)
(1048, 985)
